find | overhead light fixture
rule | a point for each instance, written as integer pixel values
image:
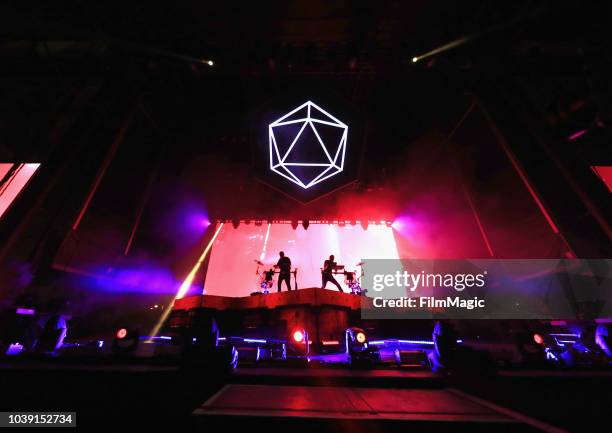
(305, 224)
(287, 157)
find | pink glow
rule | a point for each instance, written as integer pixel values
(4, 168)
(576, 135)
(231, 271)
(13, 186)
(605, 174)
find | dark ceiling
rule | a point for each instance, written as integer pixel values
(156, 55)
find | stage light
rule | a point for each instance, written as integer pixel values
(294, 224)
(18, 177)
(305, 224)
(210, 63)
(577, 135)
(308, 117)
(360, 337)
(125, 341)
(298, 336)
(415, 59)
(186, 284)
(538, 339)
(235, 223)
(364, 224)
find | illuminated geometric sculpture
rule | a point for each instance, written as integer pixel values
(307, 145)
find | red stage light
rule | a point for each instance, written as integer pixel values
(122, 333)
(538, 339)
(298, 336)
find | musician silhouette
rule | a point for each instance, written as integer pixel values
(327, 273)
(284, 266)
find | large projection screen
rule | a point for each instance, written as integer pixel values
(231, 270)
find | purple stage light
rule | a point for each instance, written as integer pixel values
(143, 279)
(254, 340)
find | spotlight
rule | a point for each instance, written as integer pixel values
(305, 224)
(364, 224)
(235, 223)
(298, 336)
(53, 334)
(294, 224)
(356, 341)
(126, 341)
(415, 59)
(297, 343)
(538, 339)
(210, 63)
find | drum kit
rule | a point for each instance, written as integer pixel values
(354, 283)
(265, 277)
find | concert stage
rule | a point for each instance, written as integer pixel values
(312, 297)
(322, 315)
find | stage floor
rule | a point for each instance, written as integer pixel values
(291, 406)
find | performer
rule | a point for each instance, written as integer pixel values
(284, 266)
(327, 273)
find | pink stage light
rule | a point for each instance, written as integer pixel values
(577, 135)
(10, 189)
(604, 172)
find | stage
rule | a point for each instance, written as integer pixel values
(312, 297)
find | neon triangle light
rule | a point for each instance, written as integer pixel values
(331, 159)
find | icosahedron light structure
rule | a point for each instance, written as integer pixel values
(307, 145)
